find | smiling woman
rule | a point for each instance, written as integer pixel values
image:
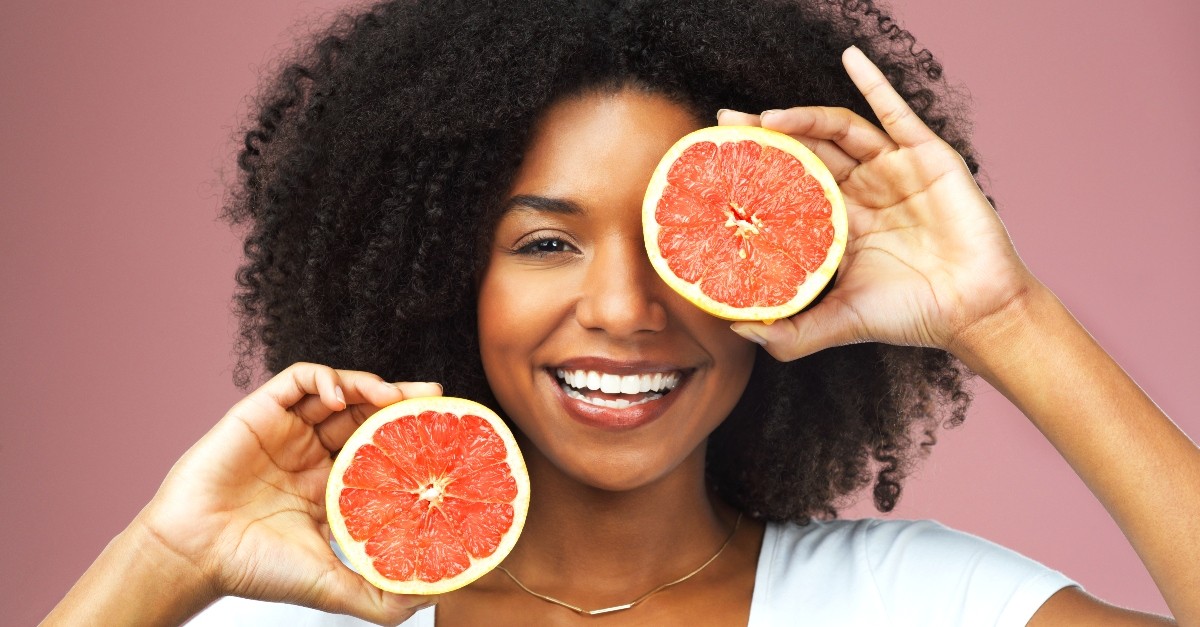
(574, 291)
(407, 223)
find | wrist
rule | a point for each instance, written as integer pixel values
(1003, 336)
(136, 580)
(166, 564)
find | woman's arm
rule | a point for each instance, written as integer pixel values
(930, 264)
(243, 513)
(136, 580)
(1141, 467)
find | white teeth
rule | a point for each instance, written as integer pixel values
(618, 384)
(610, 383)
(630, 384)
(619, 403)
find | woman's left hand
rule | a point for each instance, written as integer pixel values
(926, 256)
(928, 263)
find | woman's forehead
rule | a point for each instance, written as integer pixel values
(589, 144)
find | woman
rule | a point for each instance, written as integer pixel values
(534, 128)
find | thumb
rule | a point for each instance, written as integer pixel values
(346, 592)
(823, 326)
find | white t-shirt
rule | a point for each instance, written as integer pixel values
(842, 572)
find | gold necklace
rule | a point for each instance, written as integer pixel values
(631, 604)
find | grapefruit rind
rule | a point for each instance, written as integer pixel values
(355, 551)
(816, 280)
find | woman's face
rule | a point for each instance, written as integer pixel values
(569, 303)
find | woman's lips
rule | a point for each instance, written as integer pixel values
(613, 395)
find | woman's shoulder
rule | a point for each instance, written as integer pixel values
(876, 539)
(916, 572)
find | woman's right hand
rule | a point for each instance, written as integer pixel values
(242, 513)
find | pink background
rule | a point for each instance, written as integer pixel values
(118, 121)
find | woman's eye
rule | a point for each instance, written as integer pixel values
(545, 246)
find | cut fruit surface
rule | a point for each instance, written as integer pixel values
(746, 223)
(428, 495)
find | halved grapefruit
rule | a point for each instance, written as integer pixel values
(428, 495)
(746, 223)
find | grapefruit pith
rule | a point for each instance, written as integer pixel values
(428, 495)
(746, 223)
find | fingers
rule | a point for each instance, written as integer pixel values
(363, 398)
(299, 380)
(334, 430)
(729, 117)
(345, 592)
(841, 138)
(338, 427)
(893, 112)
(414, 389)
(857, 139)
(827, 324)
(315, 392)
(333, 402)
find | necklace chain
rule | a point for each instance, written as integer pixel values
(631, 604)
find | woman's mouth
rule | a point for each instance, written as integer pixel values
(619, 400)
(613, 390)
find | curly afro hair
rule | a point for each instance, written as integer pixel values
(378, 158)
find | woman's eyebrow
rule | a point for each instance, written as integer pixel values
(542, 203)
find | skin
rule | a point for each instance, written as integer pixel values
(242, 513)
(928, 263)
(596, 295)
(573, 282)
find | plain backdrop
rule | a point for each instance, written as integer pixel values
(117, 130)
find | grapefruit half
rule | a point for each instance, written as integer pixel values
(746, 223)
(428, 495)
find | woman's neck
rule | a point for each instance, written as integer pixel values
(617, 545)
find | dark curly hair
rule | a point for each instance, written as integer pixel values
(373, 172)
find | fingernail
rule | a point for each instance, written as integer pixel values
(337, 393)
(720, 112)
(749, 334)
(762, 116)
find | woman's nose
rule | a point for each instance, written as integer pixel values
(622, 295)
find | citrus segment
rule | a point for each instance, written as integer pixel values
(746, 223)
(428, 495)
